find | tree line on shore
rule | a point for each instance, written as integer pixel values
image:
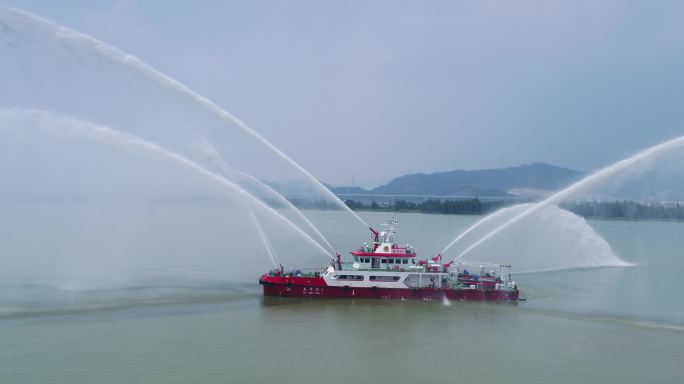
(625, 209)
(455, 207)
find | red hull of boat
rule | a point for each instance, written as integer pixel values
(288, 286)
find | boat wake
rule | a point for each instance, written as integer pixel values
(33, 300)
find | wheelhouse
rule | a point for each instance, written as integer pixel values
(382, 253)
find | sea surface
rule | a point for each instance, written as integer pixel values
(592, 325)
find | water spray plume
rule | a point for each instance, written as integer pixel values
(228, 184)
(210, 151)
(282, 200)
(477, 224)
(131, 140)
(579, 186)
(264, 239)
(168, 82)
(445, 301)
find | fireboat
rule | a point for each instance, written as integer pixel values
(383, 269)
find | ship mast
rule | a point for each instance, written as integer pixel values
(391, 228)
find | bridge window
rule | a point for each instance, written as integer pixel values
(390, 261)
(383, 260)
(349, 277)
(385, 278)
(405, 261)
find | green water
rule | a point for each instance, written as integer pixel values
(611, 325)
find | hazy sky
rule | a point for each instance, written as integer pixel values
(375, 89)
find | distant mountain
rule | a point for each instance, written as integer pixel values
(526, 180)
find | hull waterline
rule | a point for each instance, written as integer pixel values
(285, 286)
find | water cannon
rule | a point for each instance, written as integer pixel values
(375, 234)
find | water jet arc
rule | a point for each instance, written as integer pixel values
(209, 150)
(477, 224)
(142, 67)
(264, 239)
(578, 186)
(135, 141)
